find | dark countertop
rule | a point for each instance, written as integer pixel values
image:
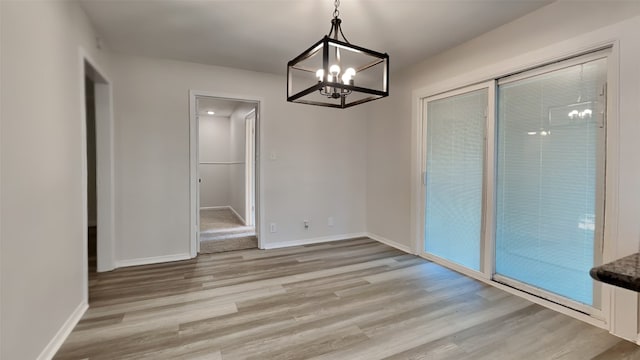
(624, 272)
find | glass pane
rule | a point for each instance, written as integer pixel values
(455, 163)
(550, 146)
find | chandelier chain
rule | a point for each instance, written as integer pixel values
(336, 13)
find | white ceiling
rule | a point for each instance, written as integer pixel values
(262, 35)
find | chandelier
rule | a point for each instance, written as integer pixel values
(335, 73)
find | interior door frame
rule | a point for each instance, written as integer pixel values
(105, 179)
(194, 173)
(250, 159)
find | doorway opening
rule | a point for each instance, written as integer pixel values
(92, 207)
(226, 168)
(97, 171)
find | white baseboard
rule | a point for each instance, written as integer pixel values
(152, 260)
(238, 215)
(318, 240)
(391, 243)
(54, 345)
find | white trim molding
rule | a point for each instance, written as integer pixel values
(58, 339)
(152, 260)
(318, 240)
(244, 222)
(391, 243)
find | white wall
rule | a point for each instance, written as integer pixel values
(214, 143)
(41, 186)
(319, 170)
(392, 140)
(389, 166)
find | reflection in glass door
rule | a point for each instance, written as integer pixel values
(550, 180)
(455, 133)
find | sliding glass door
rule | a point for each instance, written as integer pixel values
(514, 180)
(550, 179)
(455, 134)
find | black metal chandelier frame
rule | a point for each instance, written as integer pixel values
(328, 86)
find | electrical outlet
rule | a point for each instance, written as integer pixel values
(273, 227)
(307, 223)
(330, 221)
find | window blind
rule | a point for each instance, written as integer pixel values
(549, 143)
(454, 169)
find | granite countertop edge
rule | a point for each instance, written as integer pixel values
(624, 272)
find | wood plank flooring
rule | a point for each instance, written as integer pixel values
(355, 299)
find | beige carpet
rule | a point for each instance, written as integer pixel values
(222, 230)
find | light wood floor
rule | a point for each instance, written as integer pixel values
(354, 299)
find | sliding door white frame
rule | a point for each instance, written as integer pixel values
(603, 318)
(489, 200)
